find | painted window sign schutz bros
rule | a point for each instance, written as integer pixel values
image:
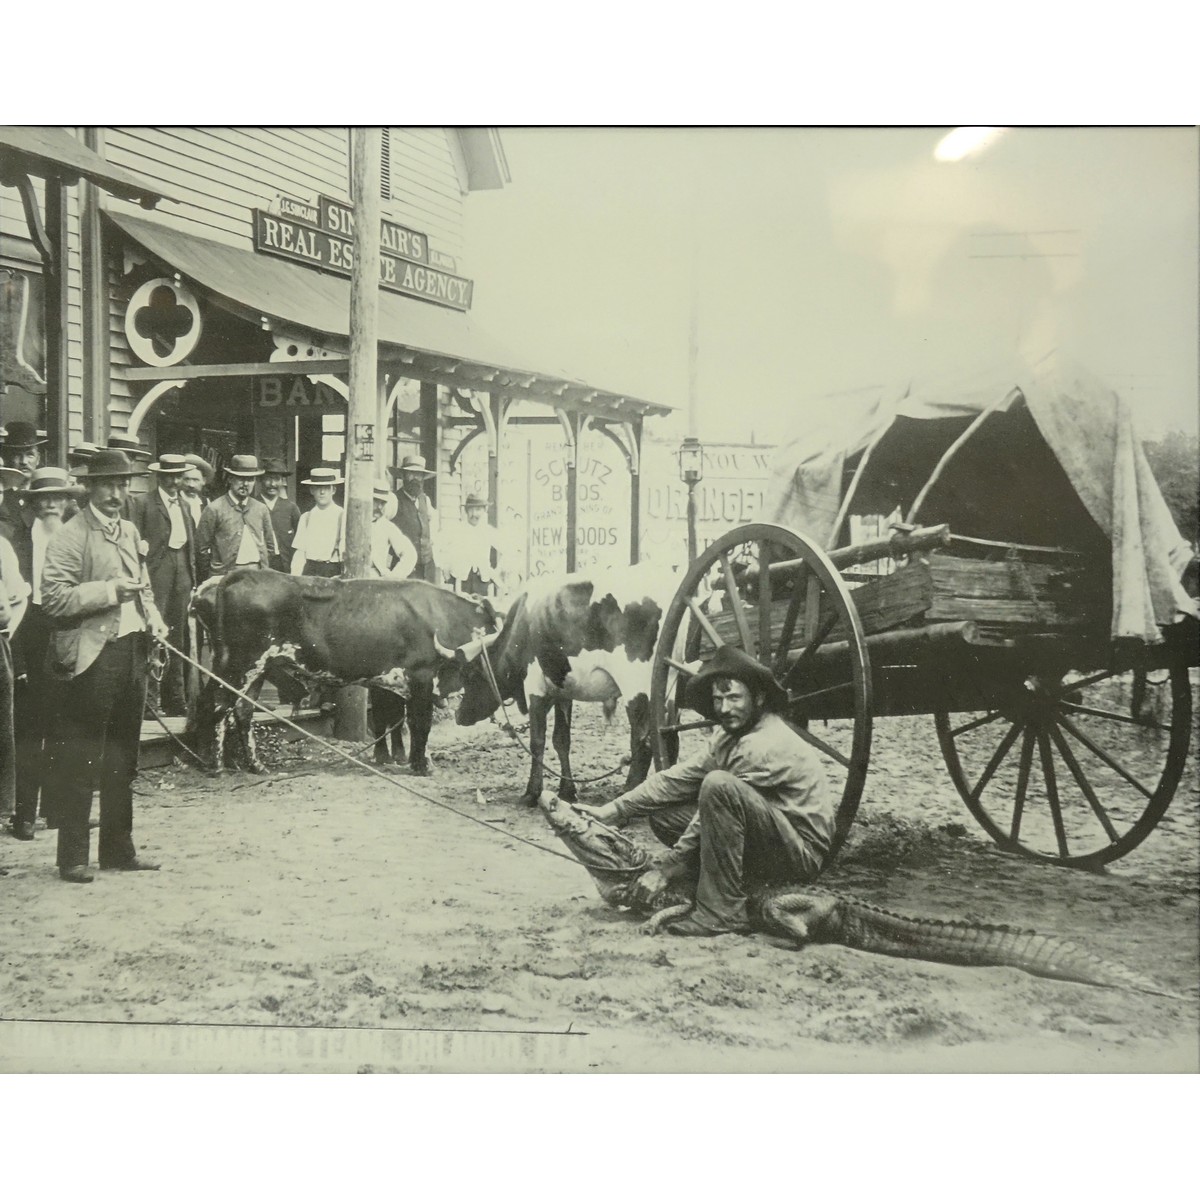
(328, 245)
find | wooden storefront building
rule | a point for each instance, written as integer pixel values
(218, 321)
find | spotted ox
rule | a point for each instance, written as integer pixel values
(566, 638)
(329, 633)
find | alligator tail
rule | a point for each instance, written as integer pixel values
(865, 927)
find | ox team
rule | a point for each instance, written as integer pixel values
(111, 571)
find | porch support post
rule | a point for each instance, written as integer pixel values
(58, 416)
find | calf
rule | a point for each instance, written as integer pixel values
(567, 638)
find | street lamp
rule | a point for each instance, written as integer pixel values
(691, 471)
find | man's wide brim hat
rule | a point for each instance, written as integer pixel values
(109, 464)
(414, 463)
(130, 443)
(274, 466)
(245, 466)
(731, 663)
(202, 465)
(11, 477)
(21, 435)
(474, 501)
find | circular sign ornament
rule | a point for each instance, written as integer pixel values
(162, 322)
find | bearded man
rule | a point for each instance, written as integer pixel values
(753, 809)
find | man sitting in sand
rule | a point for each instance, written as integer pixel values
(752, 809)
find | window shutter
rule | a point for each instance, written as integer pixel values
(385, 164)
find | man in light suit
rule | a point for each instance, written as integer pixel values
(165, 524)
(96, 590)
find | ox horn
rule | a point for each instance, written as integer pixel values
(437, 645)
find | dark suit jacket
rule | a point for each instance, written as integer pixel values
(16, 522)
(149, 513)
(285, 519)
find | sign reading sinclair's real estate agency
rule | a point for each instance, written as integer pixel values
(321, 235)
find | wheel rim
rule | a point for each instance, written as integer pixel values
(1064, 771)
(803, 611)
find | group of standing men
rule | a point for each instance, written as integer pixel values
(92, 572)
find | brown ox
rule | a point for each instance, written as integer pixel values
(329, 633)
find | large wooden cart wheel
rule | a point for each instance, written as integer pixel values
(775, 594)
(1068, 770)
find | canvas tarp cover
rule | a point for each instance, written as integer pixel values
(1088, 427)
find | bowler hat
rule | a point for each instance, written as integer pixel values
(130, 443)
(474, 500)
(323, 477)
(109, 464)
(50, 481)
(21, 435)
(414, 463)
(731, 663)
(274, 466)
(243, 465)
(170, 464)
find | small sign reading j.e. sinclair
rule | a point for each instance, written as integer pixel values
(316, 247)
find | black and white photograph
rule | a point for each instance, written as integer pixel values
(599, 599)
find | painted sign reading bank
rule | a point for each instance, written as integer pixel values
(316, 247)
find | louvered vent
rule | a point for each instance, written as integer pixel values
(385, 164)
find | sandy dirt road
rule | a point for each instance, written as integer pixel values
(322, 898)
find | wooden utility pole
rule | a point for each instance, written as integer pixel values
(362, 416)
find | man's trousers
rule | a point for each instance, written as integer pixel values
(8, 788)
(95, 746)
(34, 700)
(172, 595)
(745, 843)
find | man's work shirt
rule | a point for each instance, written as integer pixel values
(321, 534)
(771, 758)
(390, 546)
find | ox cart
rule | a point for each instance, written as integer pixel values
(990, 606)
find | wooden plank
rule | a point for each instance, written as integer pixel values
(1016, 592)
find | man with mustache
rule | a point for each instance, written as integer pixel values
(96, 592)
(751, 809)
(235, 529)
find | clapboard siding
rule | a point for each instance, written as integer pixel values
(219, 173)
(426, 192)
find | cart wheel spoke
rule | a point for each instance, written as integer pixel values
(1104, 757)
(1068, 756)
(684, 726)
(764, 600)
(799, 589)
(798, 698)
(1069, 689)
(820, 744)
(985, 720)
(1022, 784)
(704, 623)
(736, 606)
(1060, 832)
(1108, 715)
(997, 758)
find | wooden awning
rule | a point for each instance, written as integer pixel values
(418, 339)
(50, 152)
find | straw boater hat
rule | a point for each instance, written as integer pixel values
(322, 477)
(414, 463)
(130, 443)
(110, 464)
(382, 491)
(474, 500)
(245, 466)
(50, 481)
(731, 663)
(169, 464)
(21, 435)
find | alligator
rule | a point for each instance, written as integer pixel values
(803, 914)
